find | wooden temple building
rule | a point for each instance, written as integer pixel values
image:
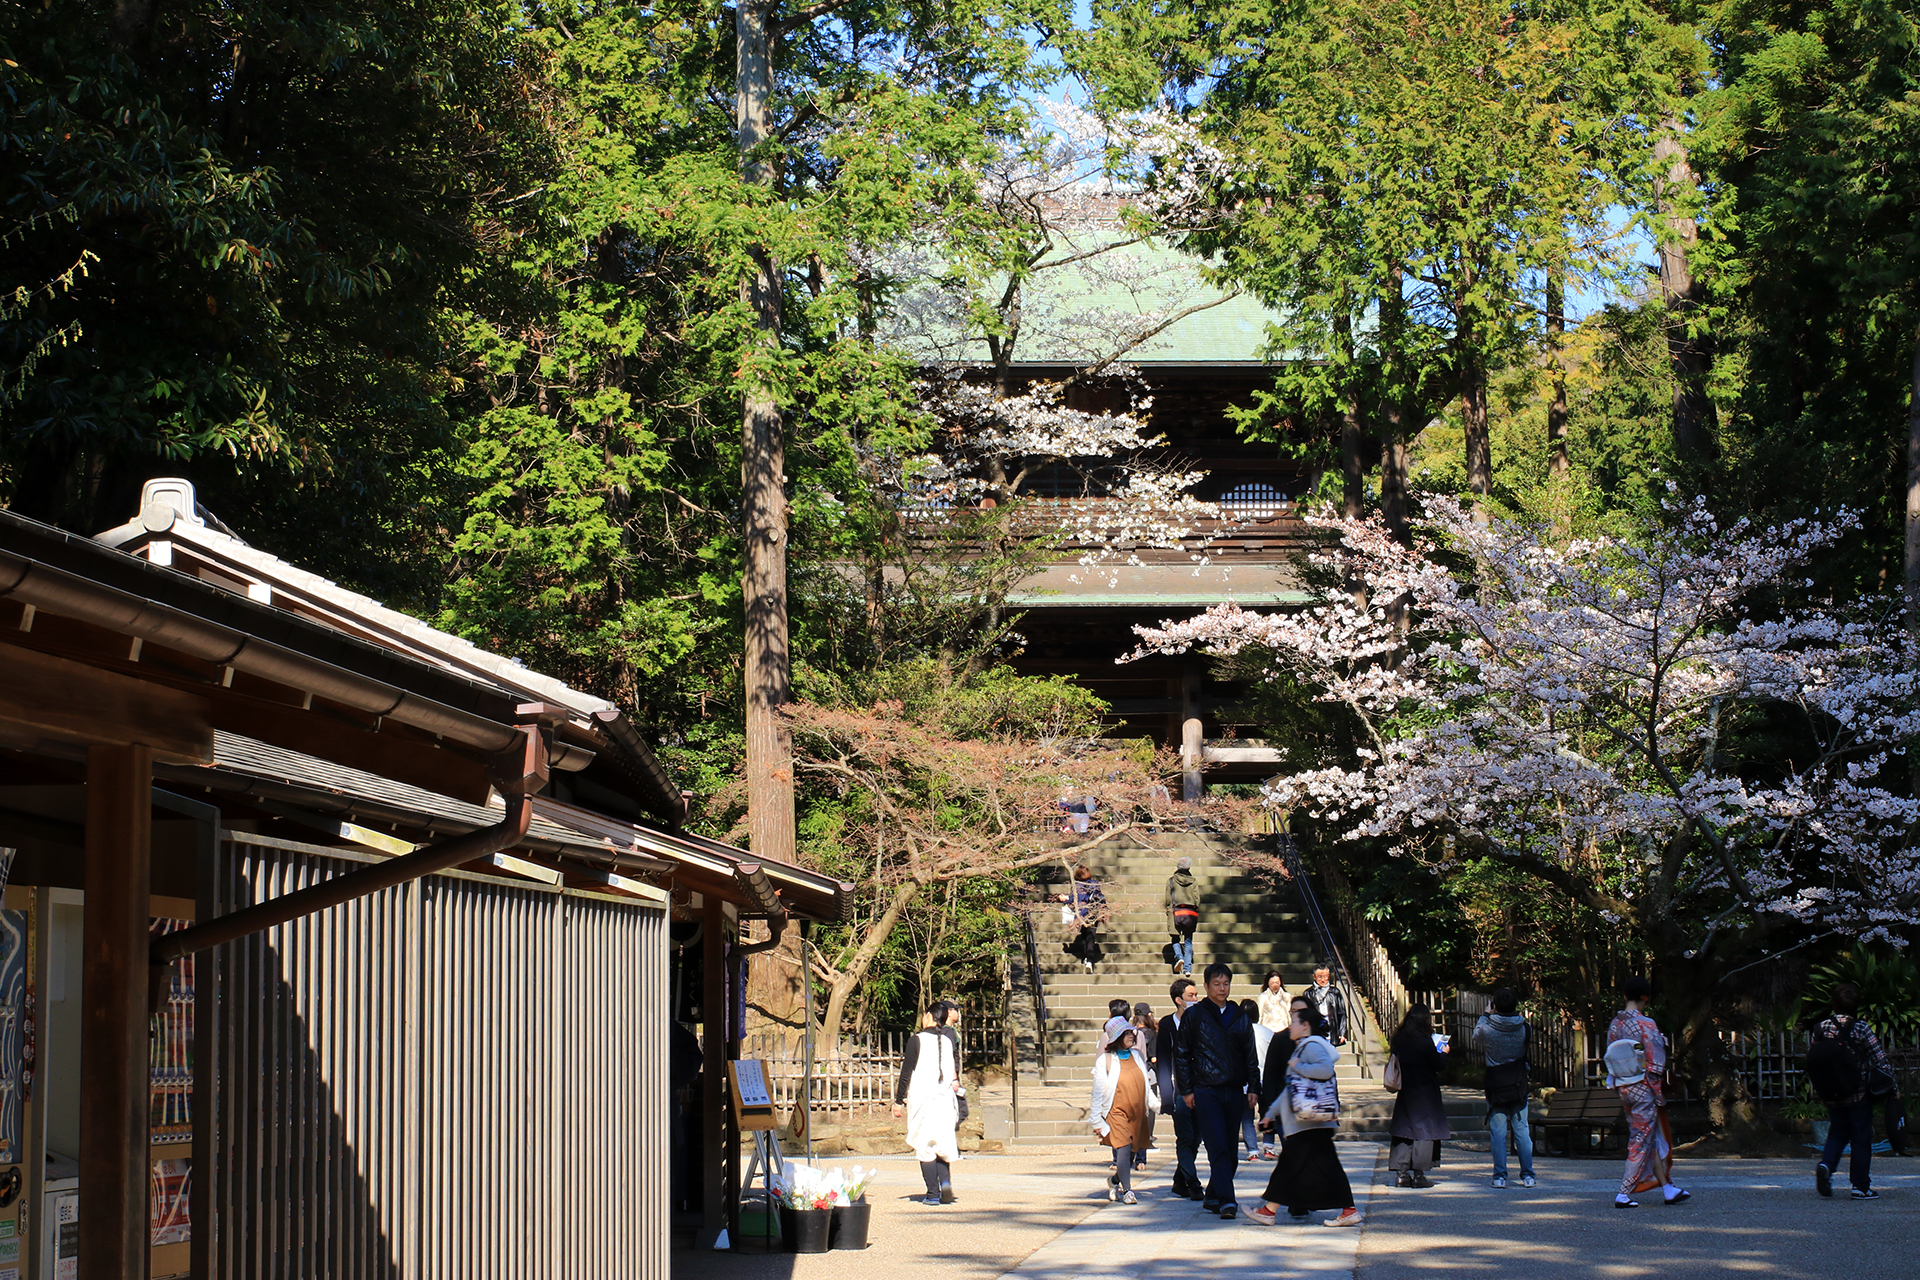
(335, 946)
(1080, 622)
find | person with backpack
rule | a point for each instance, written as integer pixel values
(1636, 1060)
(1848, 1067)
(1183, 914)
(1503, 1034)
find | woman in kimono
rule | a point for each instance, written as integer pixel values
(928, 1095)
(1637, 1065)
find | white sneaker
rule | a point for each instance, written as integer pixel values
(1499, 1183)
(1526, 1180)
(1128, 1198)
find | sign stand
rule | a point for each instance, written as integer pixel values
(753, 1112)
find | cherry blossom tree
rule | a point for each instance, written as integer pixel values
(1664, 727)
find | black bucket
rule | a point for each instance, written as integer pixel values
(806, 1230)
(850, 1225)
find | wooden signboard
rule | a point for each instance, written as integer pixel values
(752, 1100)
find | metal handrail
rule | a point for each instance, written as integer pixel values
(1034, 988)
(1329, 946)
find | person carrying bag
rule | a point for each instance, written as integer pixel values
(1504, 1037)
(1307, 1175)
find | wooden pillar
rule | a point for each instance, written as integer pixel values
(1193, 744)
(713, 1072)
(736, 1016)
(113, 1028)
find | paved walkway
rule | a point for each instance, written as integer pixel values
(1044, 1216)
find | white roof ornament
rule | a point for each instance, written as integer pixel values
(162, 502)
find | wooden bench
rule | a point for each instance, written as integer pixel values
(1583, 1111)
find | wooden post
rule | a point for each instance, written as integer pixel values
(113, 1028)
(714, 1119)
(1193, 742)
(735, 1016)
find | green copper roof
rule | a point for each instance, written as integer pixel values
(1082, 311)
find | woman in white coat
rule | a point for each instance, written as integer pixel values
(928, 1095)
(1125, 1096)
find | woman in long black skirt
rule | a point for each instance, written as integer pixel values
(1307, 1175)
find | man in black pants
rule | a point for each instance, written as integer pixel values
(1217, 1073)
(1186, 1138)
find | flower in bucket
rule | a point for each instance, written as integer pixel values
(802, 1186)
(855, 1188)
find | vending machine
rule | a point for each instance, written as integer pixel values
(40, 1011)
(42, 959)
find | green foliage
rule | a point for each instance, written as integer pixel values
(1889, 984)
(1814, 143)
(1398, 181)
(228, 228)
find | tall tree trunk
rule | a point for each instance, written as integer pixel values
(1556, 356)
(1911, 575)
(1471, 370)
(1473, 416)
(1395, 434)
(1912, 566)
(762, 467)
(1693, 417)
(1353, 463)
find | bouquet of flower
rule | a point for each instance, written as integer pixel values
(855, 1188)
(802, 1186)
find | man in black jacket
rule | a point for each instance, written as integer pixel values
(1326, 998)
(1217, 1074)
(1186, 1138)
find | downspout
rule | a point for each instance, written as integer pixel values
(517, 774)
(737, 972)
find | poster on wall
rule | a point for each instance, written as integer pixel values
(171, 1186)
(16, 1054)
(66, 1237)
(170, 1050)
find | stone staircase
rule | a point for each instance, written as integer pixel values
(1243, 923)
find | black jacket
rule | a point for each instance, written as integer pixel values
(1215, 1054)
(1165, 1049)
(1273, 1072)
(1332, 1006)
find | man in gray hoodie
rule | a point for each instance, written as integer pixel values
(1501, 1034)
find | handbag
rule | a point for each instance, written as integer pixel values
(1393, 1079)
(1315, 1101)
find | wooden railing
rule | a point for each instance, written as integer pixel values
(862, 1080)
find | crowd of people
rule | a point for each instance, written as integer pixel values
(1260, 1075)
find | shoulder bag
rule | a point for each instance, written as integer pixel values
(1393, 1079)
(1315, 1101)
